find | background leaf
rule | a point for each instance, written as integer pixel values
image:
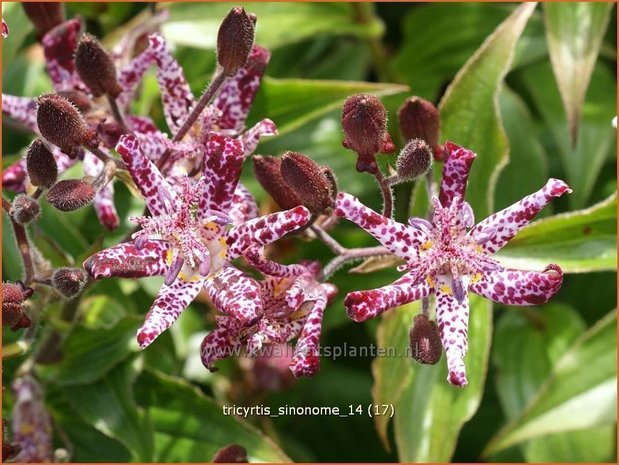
(581, 391)
(574, 32)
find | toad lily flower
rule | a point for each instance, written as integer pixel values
(293, 306)
(59, 45)
(450, 256)
(187, 239)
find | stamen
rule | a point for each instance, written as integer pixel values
(174, 270)
(484, 236)
(468, 216)
(457, 285)
(205, 266)
(421, 224)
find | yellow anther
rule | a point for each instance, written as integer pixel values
(168, 257)
(476, 278)
(427, 245)
(430, 281)
(446, 289)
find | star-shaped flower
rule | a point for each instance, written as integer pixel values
(451, 255)
(192, 236)
(293, 306)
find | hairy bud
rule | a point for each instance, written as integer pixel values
(235, 40)
(231, 454)
(425, 341)
(110, 132)
(96, 68)
(44, 15)
(77, 98)
(419, 119)
(69, 281)
(24, 209)
(268, 173)
(62, 124)
(414, 160)
(71, 194)
(364, 120)
(308, 180)
(41, 165)
(13, 310)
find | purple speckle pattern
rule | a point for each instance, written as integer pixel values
(131, 74)
(167, 307)
(59, 47)
(244, 207)
(21, 109)
(251, 137)
(5, 29)
(127, 261)
(104, 199)
(449, 256)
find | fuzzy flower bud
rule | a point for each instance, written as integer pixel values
(41, 165)
(96, 68)
(44, 15)
(235, 40)
(69, 281)
(62, 124)
(414, 160)
(77, 98)
(425, 341)
(307, 179)
(231, 454)
(24, 209)
(13, 309)
(419, 119)
(268, 173)
(71, 194)
(110, 132)
(364, 120)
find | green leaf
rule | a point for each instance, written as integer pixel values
(19, 27)
(574, 32)
(527, 343)
(430, 412)
(290, 103)
(89, 354)
(580, 241)
(109, 406)
(469, 109)
(391, 374)
(596, 137)
(580, 393)
(279, 24)
(190, 427)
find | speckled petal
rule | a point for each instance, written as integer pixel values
(175, 92)
(127, 261)
(516, 287)
(167, 307)
(401, 240)
(152, 141)
(235, 294)
(145, 174)
(131, 74)
(244, 207)
(306, 360)
(238, 93)
(363, 305)
(504, 225)
(255, 257)
(104, 200)
(455, 173)
(222, 168)
(251, 137)
(59, 47)
(21, 109)
(219, 344)
(265, 230)
(14, 176)
(453, 320)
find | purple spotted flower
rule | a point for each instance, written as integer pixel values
(192, 235)
(59, 45)
(293, 305)
(451, 255)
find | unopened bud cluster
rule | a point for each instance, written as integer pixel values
(419, 119)
(69, 282)
(235, 40)
(14, 313)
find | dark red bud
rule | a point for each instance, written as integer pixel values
(331, 179)
(41, 165)
(77, 98)
(235, 40)
(425, 341)
(62, 124)
(71, 194)
(69, 281)
(25, 209)
(44, 15)
(13, 310)
(414, 160)
(364, 120)
(231, 454)
(8, 450)
(268, 173)
(110, 132)
(96, 68)
(307, 179)
(419, 119)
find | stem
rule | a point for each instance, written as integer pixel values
(116, 111)
(37, 193)
(329, 241)
(49, 349)
(385, 189)
(431, 185)
(350, 255)
(22, 244)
